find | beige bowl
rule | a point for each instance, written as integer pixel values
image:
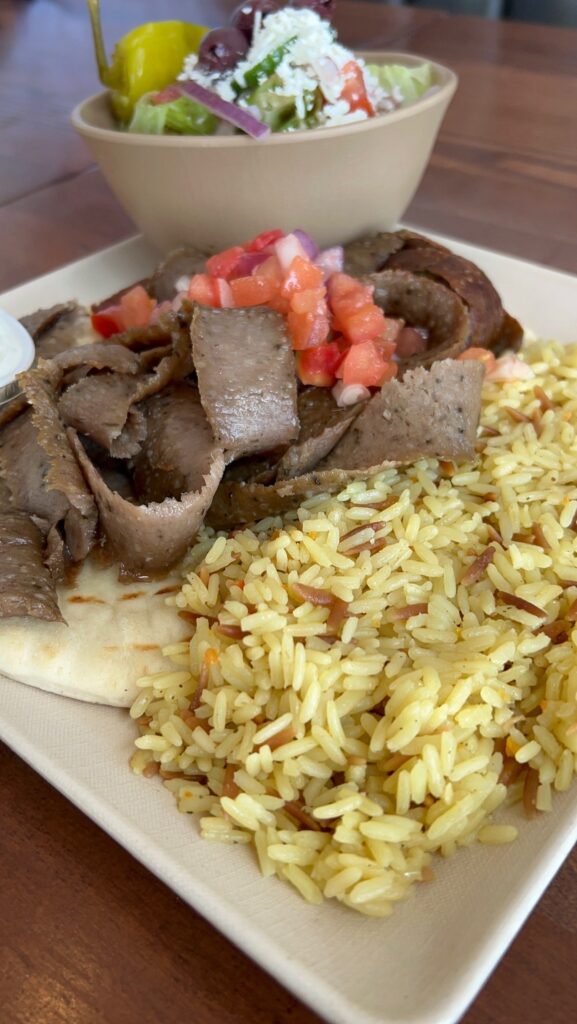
(214, 191)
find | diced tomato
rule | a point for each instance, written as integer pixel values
(484, 355)
(136, 307)
(202, 289)
(107, 321)
(354, 91)
(318, 365)
(252, 291)
(271, 271)
(263, 240)
(354, 312)
(225, 262)
(308, 319)
(301, 275)
(368, 363)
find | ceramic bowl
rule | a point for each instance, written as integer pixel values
(212, 191)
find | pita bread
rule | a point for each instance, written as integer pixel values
(113, 636)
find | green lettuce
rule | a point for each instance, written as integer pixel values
(182, 116)
(411, 82)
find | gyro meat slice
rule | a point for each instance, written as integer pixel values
(422, 302)
(466, 280)
(180, 470)
(41, 471)
(179, 447)
(59, 328)
(26, 586)
(178, 265)
(429, 414)
(102, 408)
(246, 376)
(322, 424)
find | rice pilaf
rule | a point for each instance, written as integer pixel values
(372, 677)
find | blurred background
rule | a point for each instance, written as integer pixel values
(547, 12)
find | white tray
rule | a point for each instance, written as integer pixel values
(426, 963)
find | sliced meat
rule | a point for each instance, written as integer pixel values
(55, 558)
(104, 406)
(41, 471)
(429, 414)
(236, 503)
(368, 254)
(510, 336)
(421, 302)
(24, 466)
(100, 355)
(43, 319)
(101, 407)
(26, 587)
(11, 409)
(178, 264)
(322, 424)
(179, 447)
(59, 328)
(149, 538)
(465, 280)
(246, 376)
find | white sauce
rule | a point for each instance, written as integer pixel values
(16, 349)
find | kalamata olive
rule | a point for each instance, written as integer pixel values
(324, 8)
(243, 16)
(221, 49)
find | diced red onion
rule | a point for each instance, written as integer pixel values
(227, 111)
(248, 263)
(309, 246)
(224, 293)
(287, 248)
(349, 394)
(331, 261)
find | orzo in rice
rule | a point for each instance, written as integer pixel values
(372, 677)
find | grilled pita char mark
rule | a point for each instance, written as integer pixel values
(246, 376)
(489, 325)
(429, 414)
(26, 586)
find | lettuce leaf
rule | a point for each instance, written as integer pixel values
(182, 116)
(411, 82)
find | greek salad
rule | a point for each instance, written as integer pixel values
(275, 68)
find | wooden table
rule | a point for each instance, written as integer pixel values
(88, 935)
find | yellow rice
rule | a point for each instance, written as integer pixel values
(392, 738)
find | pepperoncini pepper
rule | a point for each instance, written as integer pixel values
(145, 60)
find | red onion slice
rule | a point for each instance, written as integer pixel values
(227, 111)
(309, 246)
(331, 261)
(248, 263)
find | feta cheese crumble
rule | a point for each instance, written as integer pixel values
(295, 55)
